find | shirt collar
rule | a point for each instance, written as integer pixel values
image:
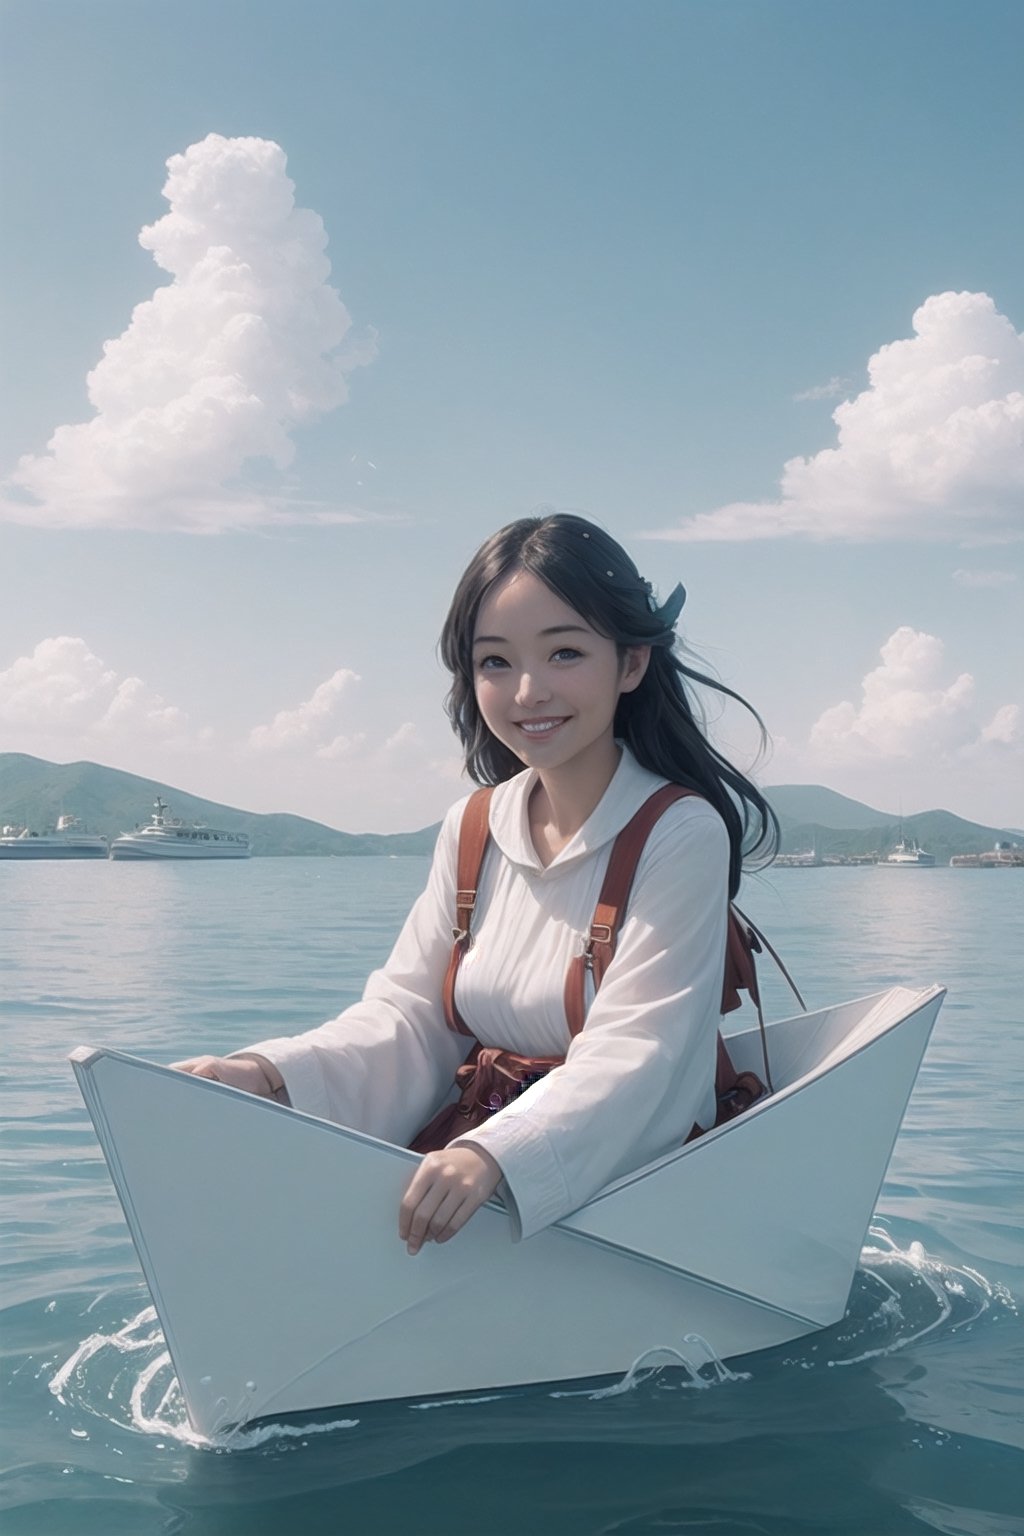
(630, 786)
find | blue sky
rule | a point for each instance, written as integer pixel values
(623, 258)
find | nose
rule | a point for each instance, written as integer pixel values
(532, 690)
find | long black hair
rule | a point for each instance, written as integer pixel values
(659, 720)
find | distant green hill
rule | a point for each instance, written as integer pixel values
(33, 793)
(837, 827)
(824, 807)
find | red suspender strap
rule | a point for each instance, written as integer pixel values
(599, 946)
(741, 942)
(473, 837)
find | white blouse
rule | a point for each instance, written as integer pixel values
(634, 1080)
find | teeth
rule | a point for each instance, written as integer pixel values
(539, 728)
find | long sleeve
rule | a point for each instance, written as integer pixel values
(641, 1072)
(387, 1063)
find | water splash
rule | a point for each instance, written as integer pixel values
(711, 1371)
(125, 1377)
(899, 1297)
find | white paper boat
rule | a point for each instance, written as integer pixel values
(269, 1238)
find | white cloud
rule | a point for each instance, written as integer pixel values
(342, 747)
(906, 706)
(329, 757)
(349, 766)
(918, 734)
(313, 723)
(248, 341)
(63, 697)
(933, 448)
(313, 728)
(1005, 729)
(404, 743)
(830, 391)
(987, 578)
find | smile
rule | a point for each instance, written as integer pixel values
(541, 727)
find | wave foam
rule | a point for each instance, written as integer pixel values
(125, 1376)
(900, 1296)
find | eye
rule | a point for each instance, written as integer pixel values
(567, 653)
(491, 663)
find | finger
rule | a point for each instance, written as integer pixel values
(419, 1225)
(416, 1189)
(444, 1215)
(429, 1175)
(198, 1066)
(466, 1208)
(421, 1216)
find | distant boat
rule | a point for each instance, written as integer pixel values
(907, 855)
(167, 837)
(809, 858)
(1002, 856)
(67, 841)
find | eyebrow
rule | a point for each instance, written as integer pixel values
(554, 629)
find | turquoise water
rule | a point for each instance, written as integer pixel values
(907, 1417)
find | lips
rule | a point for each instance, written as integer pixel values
(538, 729)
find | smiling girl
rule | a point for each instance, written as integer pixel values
(569, 696)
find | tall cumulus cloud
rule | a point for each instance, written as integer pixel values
(248, 341)
(917, 725)
(932, 449)
(63, 694)
(909, 707)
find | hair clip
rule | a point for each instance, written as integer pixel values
(672, 607)
(667, 612)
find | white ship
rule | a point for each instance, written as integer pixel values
(1002, 856)
(167, 837)
(67, 841)
(808, 858)
(908, 856)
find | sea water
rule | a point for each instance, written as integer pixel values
(906, 1417)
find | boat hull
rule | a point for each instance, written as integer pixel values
(29, 848)
(150, 850)
(269, 1242)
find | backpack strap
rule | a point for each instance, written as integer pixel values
(474, 833)
(599, 945)
(755, 942)
(743, 940)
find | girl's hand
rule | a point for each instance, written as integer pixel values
(447, 1187)
(249, 1073)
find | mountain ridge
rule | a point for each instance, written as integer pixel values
(34, 792)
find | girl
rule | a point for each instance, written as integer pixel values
(568, 696)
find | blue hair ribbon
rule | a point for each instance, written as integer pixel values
(672, 607)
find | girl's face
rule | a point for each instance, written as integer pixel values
(547, 685)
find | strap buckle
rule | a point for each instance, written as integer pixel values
(600, 933)
(465, 901)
